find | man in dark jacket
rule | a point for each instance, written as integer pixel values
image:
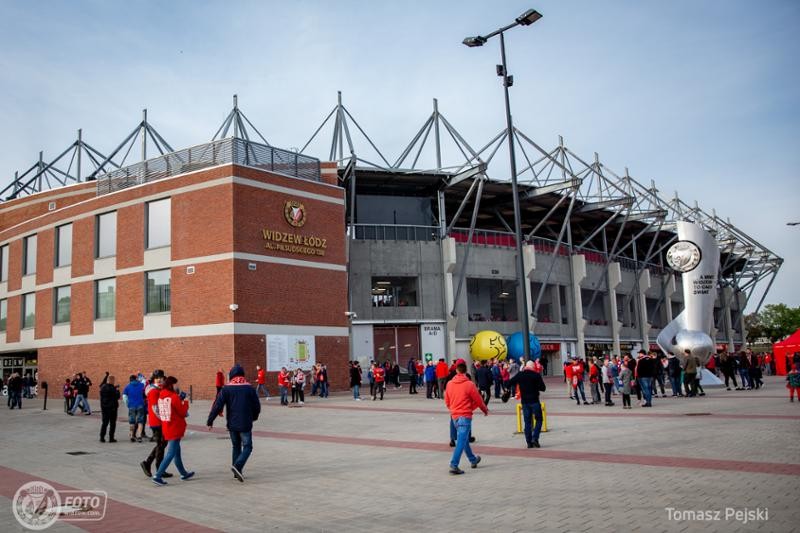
(412, 376)
(240, 401)
(530, 385)
(645, 373)
(483, 375)
(109, 405)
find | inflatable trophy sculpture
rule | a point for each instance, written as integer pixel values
(696, 257)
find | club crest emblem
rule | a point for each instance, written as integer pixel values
(295, 213)
(683, 256)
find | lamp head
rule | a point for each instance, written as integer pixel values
(472, 42)
(528, 18)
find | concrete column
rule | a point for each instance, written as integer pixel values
(448, 268)
(529, 261)
(614, 279)
(727, 322)
(669, 290)
(578, 266)
(644, 324)
(741, 301)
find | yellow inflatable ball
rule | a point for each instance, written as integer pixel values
(487, 345)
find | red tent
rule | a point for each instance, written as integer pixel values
(783, 352)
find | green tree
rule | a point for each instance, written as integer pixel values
(779, 320)
(754, 327)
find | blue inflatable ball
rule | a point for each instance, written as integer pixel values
(516, 349)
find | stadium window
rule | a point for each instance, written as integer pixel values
(158, 225)
(29, 255)
(64, 245)
(62, 304)
(157, 291)
(105, 298)
(106, 235)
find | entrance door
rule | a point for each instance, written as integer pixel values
(396, 344)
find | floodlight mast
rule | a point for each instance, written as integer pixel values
(526, 19)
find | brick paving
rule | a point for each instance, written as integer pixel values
(340, 465)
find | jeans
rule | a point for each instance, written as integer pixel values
(530, 410)
(609, 388)
(745, 379)
(595, 393)
(675, 383)
(356, 391)
(647, 389)
(173, 454)
(262, 387)
(498, 386)
(463, 427)
(157, 453)
(81, 401)
(284, 395)
(242, 444)
(14, 399)
(323, 389)
(730, 376)
(689, 381)
(430, 389)
(579, 389)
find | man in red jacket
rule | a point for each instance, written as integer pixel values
(379, 374)
(441, 376)
(261, 381)
(173, 407)
(461, 397)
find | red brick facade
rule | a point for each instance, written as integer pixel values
(218, 257)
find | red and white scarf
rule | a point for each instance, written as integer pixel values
(238, 380)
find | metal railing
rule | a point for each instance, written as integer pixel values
(485, 237)
(393, 232)
(230, 150)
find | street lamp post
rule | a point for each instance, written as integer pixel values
(526, 19)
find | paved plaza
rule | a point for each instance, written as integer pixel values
(340, 465)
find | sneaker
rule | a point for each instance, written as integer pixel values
(167, 475)
(237, 474)
(585, 402)
(102, 439)
(70, 413)
(456, 470)
(471, 438)
(187, 476)
(112, 440)
(139, 439)
(530, 445)
(536, 444)
(303, 403)
(452, 444)
(159, 482)
(477, 460)
(134, 440)
(146, 469)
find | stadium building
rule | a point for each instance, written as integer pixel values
(236, 250)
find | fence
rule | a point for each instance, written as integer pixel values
(230, 150)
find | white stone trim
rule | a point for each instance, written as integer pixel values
(155, 330)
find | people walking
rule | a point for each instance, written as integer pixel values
(412, 376)
(172, 410)
(626, 378)
(379, 375)
(109, 407)
(298, 386)
(690, 373)
(242, 404)
(355, 380)
(483, 377)
(674, 373)
(441, 376)
(462, 398)
(261, 382)
(133, 394)
(156, 456)
(81, 386)
(530, 385)
(14, 391)
(594, 380)
(66, 390)
(608, 381)
(431, 387)
(793, 383)
(284, 382)
(727, 366)
(577, 381)
(645, 374)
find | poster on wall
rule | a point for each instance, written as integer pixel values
(290, 351)
(431, 341)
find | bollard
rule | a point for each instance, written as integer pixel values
(519, 418)
(44, 386)
(191, 391)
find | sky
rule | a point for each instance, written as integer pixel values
(701, 96)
